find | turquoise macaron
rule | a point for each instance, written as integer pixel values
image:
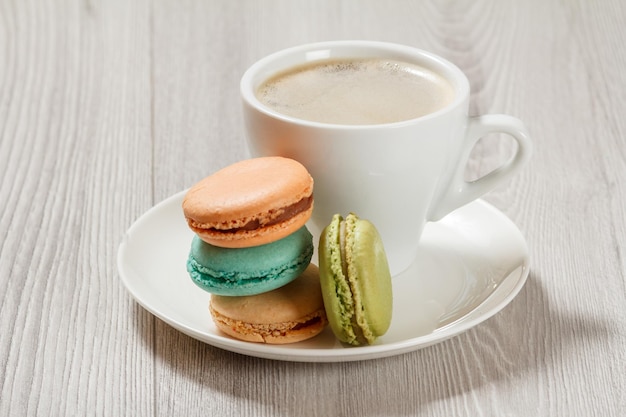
(249, 271)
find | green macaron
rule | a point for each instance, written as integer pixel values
(355, 279)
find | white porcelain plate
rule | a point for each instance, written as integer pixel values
(470, 265)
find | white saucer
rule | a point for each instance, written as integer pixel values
(470, 265)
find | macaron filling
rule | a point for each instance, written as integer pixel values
(270, 218)
(347, 227)
(265, 331)
(357, 331)
(342, 299)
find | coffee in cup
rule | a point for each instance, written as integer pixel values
(356, 91)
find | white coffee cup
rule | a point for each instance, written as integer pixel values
(397, 175)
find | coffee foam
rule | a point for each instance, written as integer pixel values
(370, 91)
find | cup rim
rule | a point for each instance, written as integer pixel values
(284, 59)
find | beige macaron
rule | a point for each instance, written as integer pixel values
(289, 314)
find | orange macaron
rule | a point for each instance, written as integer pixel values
(250, 203)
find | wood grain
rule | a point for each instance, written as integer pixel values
(108, 107)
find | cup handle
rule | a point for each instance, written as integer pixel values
(457, 191)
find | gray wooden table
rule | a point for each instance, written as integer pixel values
(108, 107)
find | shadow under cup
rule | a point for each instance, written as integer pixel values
(397, 175)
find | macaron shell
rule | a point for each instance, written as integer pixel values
(370, 279)
(248, 271)
(288, 314)
(249, 202)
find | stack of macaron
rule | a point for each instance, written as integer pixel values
(252, 251)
